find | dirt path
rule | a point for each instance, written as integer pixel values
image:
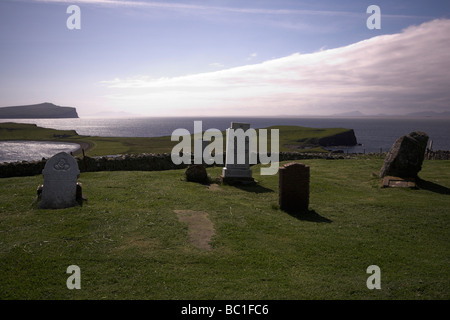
(83, 145)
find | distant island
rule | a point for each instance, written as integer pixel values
(44, 110)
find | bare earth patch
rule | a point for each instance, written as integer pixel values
(139, 242)
(200, 228)
(214, 187)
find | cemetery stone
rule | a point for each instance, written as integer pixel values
(236, 172)
(293, 187)
(406, 156)
(60, 183)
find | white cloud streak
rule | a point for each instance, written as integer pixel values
(209, 9)
(403, 72)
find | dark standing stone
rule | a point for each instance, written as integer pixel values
(406, 156)
(197, 173)
(293, 187)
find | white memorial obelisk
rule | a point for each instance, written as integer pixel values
(237, 160)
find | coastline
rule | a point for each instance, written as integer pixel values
(83, 145)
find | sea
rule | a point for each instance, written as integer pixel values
(372, 134)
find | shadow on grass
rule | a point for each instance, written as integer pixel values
(255, 188)
(310, 215)
(431, 186)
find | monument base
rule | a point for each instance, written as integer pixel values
(236, 176)
(79, 198)
(396, 182)
(237, 180)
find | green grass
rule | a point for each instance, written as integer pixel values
(129, 243)
(292, 138)
(16, 131)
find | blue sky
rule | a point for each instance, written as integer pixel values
(265, 57)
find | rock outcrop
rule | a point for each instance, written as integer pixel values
(346, 138)
(406, 156)
(196, 173)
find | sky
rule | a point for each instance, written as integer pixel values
(226, 57)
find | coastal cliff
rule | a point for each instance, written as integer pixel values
(44, 110)
(346, 138)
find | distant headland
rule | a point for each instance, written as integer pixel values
(44, 110)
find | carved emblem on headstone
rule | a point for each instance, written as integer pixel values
(62, 165)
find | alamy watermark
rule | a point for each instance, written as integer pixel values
(242, 147)
(73, 281)
(74, 20)
(374, 21)
(374, 281)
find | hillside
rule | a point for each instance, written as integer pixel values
(44, 110)
(130, 243)
(292, 138)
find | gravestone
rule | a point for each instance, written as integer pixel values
(60, 182)
(293, 187)
(405, 158)
(235, 172)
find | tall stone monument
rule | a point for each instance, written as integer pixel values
(60, 182)
(236, 170)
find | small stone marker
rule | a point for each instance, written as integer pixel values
(60, 182)
(236, 172)
(197, 173)
(293, 187)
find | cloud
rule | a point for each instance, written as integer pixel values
(252, 56)
(216, 65)
(219, 9)
(403, 72)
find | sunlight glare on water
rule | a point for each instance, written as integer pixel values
(11, 151)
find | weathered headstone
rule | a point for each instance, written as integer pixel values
(60, 182)
(405, 158)
(235, 172)
(293, 187)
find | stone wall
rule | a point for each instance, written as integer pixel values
(437, 155)
(155, 162)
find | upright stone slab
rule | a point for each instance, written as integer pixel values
(60, 182)
(293, 187)
(406, 156)
(235, 172)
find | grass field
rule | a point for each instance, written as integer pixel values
(130, 244)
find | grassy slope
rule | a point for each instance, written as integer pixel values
(294, 138)
(129, 244)
(289, 136)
